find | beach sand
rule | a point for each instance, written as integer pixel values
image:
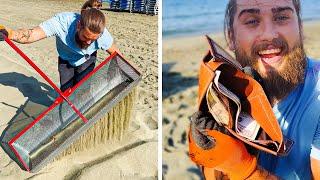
(181, 58)
(133, 157)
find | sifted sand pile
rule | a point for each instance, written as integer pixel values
(112, 126)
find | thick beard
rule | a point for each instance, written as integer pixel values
(280, 82)
(81, 44)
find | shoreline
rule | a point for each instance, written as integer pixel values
(196, 34)
(168, 37)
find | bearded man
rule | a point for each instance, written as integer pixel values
(267, 36)
(78, 37)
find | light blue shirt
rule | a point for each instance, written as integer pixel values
(298, 116)
(64, 27)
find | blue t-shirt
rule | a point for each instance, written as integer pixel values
(64, 27)
(298, 116)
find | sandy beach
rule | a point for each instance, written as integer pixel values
(181, 57)
(135, 155)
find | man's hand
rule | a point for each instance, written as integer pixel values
(201, 121)
(211, 146)
(5, 32)
(112, 49)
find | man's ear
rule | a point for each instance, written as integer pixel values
(231, 43)
(301, 33)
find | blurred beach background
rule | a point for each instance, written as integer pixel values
(196, 17)
(184, 25)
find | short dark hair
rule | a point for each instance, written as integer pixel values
(232, 9)
(93, 19)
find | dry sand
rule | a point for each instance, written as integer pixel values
(135, 156)
(181, 57)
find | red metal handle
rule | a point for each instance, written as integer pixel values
(42, 74)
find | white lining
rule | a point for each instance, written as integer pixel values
(315, 153)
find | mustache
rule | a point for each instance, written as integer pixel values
(81, 44)
(276, 42)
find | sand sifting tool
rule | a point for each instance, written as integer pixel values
(34, 141)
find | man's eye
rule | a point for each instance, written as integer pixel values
(252, 22)
(281, 18)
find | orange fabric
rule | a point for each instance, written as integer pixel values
(254, 101)
(315, 167)
(258, 174)
(209, 173)
(229, 155)
(206, 76)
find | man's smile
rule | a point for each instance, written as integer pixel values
(271, 55)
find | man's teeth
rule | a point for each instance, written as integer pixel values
(270, 51)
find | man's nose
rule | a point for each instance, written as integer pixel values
(269, 32)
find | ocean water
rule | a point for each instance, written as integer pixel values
(196, 17)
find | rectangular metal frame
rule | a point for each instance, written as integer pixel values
(64, 97)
